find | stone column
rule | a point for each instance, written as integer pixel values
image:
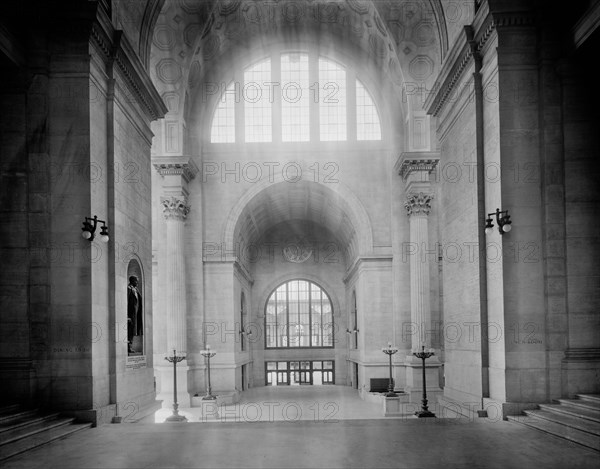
(418, 206)
(176, 172)
(175, 211)
(415, 169)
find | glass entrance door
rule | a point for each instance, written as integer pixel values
(299, 373)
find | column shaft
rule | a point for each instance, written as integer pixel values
(419, 279)
(175, 287)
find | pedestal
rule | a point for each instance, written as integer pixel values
(165, 374)
(397, 406)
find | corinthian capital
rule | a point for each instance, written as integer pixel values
(175, 208)
(418, 204)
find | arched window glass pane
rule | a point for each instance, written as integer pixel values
(332, 101)
(223, 123)
(367, 118)
(257, 102)
(294, 98)
(299, 314)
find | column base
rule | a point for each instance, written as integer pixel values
(425, 414)
(176, 418)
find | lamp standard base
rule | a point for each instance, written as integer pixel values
(391, 394)
(209, 398)
(425, 413)
(176, 418)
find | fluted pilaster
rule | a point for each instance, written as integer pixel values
(415, 169)
(175, 211)
(418, 207)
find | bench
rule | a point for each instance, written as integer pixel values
(380, 384)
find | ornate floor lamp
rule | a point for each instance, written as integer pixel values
(175, 417)
(208, 355)
(389, 351)
(424, 355)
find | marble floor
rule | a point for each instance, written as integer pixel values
(286, 404)
(348, 433)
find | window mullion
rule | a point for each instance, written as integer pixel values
(314, 96)
(275, 91)
(287, 314)
(310, 324)
(238, 85)
(322, 340)
(351, 131)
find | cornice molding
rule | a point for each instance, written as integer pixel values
(241, 270)
(587, 24)
(361, 260)
(117, 50)
(582, 355)
(151, 14)
(410, 162)
(176, 166)
(11, 47)
(468, 47)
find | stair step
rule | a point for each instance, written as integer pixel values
(8, 418)
(589, 397)
(9, 409)
(588, 426)
(29, 430)
(26, 444)
(25, 419)
(572, 411)
(556, 429)
(581, 404)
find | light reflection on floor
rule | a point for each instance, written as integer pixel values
(286, 404)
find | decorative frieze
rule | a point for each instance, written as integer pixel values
(418, 204)
(175, 208)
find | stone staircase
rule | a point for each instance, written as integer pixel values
(576, 420)
(25, 429)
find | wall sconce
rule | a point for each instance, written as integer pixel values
(246, 333)
(89, 229)
(348, 331)
(504, 222)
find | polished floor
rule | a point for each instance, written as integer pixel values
(354, 437)
(287, 404)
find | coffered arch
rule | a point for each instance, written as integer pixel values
(335, 207)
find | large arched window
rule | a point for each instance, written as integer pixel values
(298, 314)
(296, 97)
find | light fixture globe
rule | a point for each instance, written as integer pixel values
(89, 229)
(507, 228)
(489, 226)
(104, 234)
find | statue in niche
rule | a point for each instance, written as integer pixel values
(135, 326)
